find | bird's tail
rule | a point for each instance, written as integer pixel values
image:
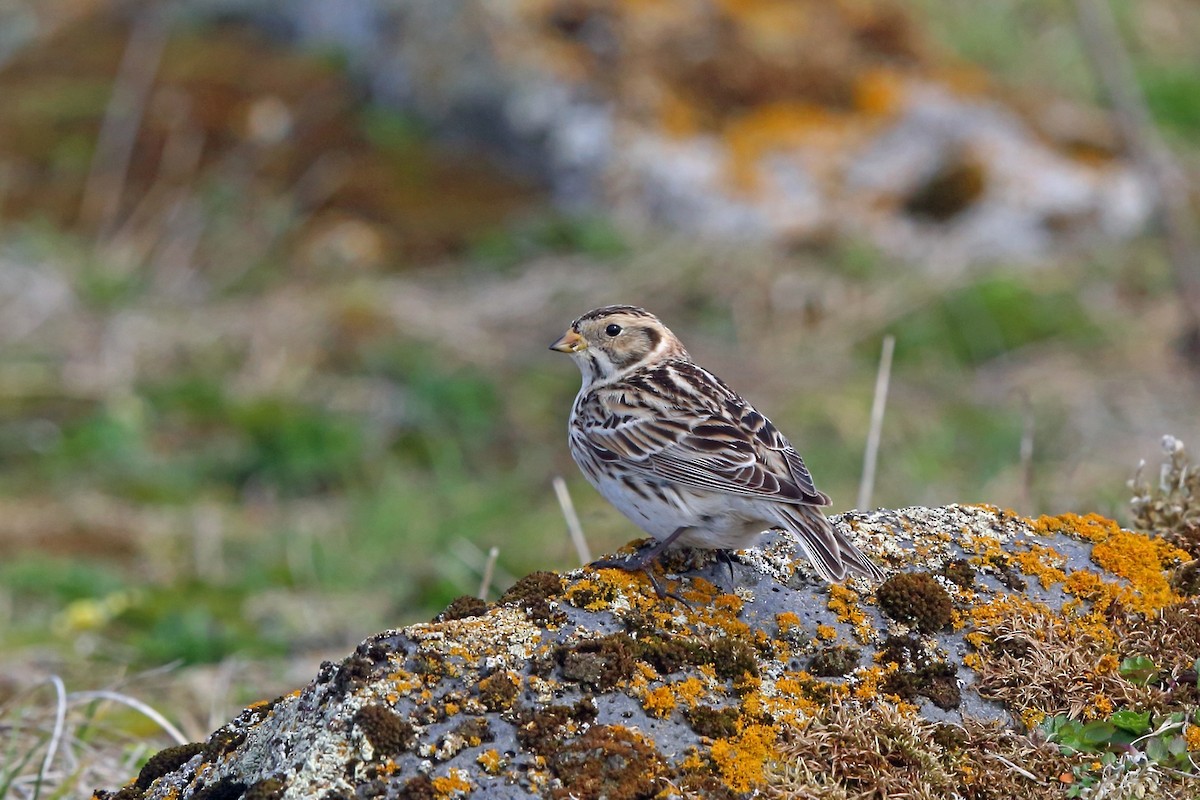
(832, 554)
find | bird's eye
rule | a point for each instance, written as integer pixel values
(613, 329)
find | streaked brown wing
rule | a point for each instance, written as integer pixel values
(724, 447)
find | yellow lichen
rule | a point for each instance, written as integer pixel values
(827, 632)
(730, 603)
(869, 680)
(490, 761)
(456, 782)
(844, 603)
(787, 620)
(741, 758)
(1100, 705)
(1143, 562)
(659, 702)
(1092, 527)
(690, 691)
(1042, 563)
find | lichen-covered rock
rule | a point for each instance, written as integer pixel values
(586, 685)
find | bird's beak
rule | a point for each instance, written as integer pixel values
(569, 342)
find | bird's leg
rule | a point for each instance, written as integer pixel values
(642, 561)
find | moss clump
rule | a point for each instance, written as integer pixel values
(533, 593)
(936, 681)
(388, 733)
(418, 788)
(223, 789)
(352, 674)
(222, 741)
(266, 789)
(541, 731)
(1185, 579)
(951, 738)
(732, 657)
(668, 655)
(915, 598)
(498, 691)
(165, 761)
(715, 723)
(917, 675)
(462, 607)
(475, 731)
(960, 572)
(608, 762)
(834, 661)
(598, 663)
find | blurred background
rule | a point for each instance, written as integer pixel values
(277, 280)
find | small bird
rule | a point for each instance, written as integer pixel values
(683, 455)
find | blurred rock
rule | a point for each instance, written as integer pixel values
(763, 119)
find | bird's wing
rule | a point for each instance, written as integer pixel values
(682, 424)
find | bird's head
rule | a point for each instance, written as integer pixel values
(611, 341)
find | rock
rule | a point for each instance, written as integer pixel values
(586, 685)
(779, 121)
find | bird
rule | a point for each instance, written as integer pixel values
(685, 457)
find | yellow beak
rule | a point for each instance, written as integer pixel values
(569, 342)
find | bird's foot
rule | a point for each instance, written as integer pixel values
(642, 561)
(728, 557)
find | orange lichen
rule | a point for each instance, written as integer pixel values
(869, 679)
(1043, 563)
(1143, 561)
(659, 702)
(787, 620)
(1032, 717)
(1091, 527)
(741, 758)
(456, 782)
(730, 603)
(827, 632)
(690, 691)
(844, 603)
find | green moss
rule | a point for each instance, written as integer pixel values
(732, 657)
(918, 676)
(476, 728)
(222, 741)
(917, 599)
(418, 788)
(959, 572)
